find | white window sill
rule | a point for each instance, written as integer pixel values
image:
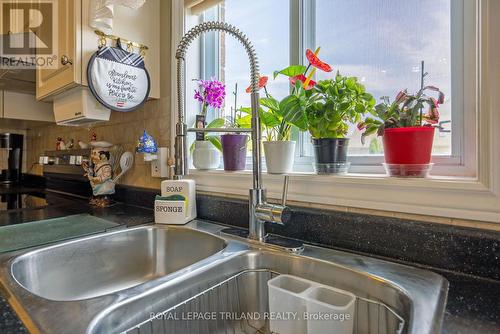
(463, 197)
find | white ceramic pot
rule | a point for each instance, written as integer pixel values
(205, 155)
(279, 156)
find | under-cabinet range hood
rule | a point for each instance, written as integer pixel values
(78, 107)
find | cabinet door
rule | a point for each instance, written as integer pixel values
(68, 71)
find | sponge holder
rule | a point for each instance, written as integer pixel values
(170, 212)
(309, 307)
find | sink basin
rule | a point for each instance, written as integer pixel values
(239, 286)
(104, 264)
(119, 281)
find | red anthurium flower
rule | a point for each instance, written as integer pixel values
(316, 62)
(302, 78)
(262, 84)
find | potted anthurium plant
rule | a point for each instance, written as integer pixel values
(326, 109)
(407, 131)
(279, 149)
(206, 149)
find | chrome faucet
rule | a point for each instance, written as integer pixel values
(260, 211)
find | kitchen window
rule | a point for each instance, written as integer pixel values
(468, 181)
(382, 42)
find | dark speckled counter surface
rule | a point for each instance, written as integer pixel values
(9, 323)
(468, 258)
(473, 305)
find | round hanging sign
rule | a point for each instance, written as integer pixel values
(118, 79)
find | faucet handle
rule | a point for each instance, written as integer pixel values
(276, 213)
(273, 213)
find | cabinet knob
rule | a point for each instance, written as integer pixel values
(66, 61)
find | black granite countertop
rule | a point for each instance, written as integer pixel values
(9, 322)
(60, 205)
(473, 305)
(473, 302)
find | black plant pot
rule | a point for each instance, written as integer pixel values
(330, 155)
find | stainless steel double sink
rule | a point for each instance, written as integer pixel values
(129, 280)
(105, 264)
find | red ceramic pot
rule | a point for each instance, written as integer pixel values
(411, 145)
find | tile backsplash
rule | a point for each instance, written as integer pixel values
(122, 128)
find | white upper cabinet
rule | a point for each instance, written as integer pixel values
(77, 42)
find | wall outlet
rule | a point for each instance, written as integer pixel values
(43, 160)
(159, 167)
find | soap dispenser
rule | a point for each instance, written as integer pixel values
(177, 203)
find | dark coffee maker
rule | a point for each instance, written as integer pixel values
(11, 158)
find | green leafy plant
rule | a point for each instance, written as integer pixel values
(405, 111)
(274, 126)
(242, 118)
(327, 108)
(291, 71)
(215, 140)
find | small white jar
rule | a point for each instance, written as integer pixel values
(205, 155)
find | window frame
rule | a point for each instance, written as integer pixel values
(475, 198)
(460, 162)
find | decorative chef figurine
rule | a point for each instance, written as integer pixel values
(100, 173)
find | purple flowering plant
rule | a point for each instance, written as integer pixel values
(211, 93)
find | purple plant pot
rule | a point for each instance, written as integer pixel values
(234, 151)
